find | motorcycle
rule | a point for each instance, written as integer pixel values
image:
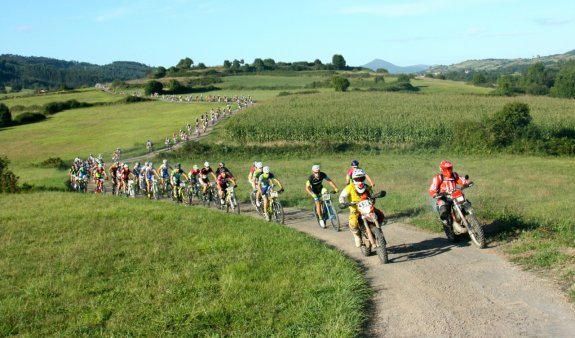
(370, 228)
(463, 219)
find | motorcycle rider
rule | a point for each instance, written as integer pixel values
(355, 192)
(443, 182)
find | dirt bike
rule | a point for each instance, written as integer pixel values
(275, 210)
(462, 217)
(327, 210)
(231, 200)
(370, 228)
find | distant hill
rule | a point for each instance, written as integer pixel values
(507, 66)
(393, 69)
(42, 72)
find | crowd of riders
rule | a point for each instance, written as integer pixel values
(358, 185)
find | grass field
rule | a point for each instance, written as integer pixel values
(67, 269)
(82, 95)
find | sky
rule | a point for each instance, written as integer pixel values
(403, 32)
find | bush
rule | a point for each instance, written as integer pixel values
(56, 107)
(509, 124)
(26, 118)
(134, 99)
(53, 162)
(5, 115)
(8, 181)
(340, 84)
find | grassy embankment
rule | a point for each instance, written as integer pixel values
(90, 265)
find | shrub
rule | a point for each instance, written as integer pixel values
(8, 181)
(509, 124)
(53, 162)
(134, 99)
(26, 118)
(56, 107)
(5, 115)
(340, 84)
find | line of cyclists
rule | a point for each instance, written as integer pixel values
(358, 184)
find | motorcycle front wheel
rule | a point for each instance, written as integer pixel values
(476, 231)
(381, 248)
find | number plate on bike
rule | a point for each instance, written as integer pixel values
(273, 194)
(182, 184)
(326, 197)
(364, 204)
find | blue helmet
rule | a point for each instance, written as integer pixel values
(354, 163)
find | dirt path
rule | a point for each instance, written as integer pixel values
(433, 288)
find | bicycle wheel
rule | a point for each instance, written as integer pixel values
(333, 217)
(235, 205)
(278, 212)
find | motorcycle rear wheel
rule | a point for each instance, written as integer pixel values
(476, 231)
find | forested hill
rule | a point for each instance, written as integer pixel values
(42, 72)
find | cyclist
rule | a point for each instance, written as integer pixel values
(138, 173)
(99, 173)
(150, 146)
(265, 181)
(176, 178)
(223, 180)
(356, 192)
(355, 165)
(124, 176)
(253, 178)
(149, 173)
(205, 176)
(113, 171)
(314, 187)
(222, 167)
(164, 173)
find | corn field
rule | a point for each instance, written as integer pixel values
(382, 118)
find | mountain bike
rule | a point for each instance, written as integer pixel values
(208, 196)
(328, 211)
(231, 200)
(275, 209)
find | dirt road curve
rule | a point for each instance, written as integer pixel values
(432, 288)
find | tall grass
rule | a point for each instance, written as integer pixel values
(86, 265)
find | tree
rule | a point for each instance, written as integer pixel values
(201, 65)
(270, 64)
(338, 61)
(235, 66)
(175, 86)
(478, 79)
(5, 116)
(227, 64)
(159, 73)
(340, 83)
(536, 81)
(153, 87)
(565, 81)
(259, 65)
(505, 85)
(185, 64)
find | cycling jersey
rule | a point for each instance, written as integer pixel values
(125, 174)
(177, 175)
(315, 182)
(204, 172)
(164, 171)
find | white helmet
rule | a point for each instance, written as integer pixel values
(358, 177)
(315, 168)
(206, 164)
(165, 161)
(259, 165)
(266, 170)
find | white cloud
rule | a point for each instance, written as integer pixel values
(24, 28)
(112, 15)
(552, 21)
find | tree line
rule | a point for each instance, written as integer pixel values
(19, 72)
